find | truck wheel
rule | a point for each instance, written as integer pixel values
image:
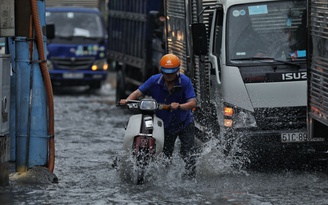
(120, 86)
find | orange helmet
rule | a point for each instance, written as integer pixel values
(169, 63)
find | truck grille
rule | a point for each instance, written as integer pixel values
(281, 118)
(72, 63)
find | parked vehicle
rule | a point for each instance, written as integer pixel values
(135, 42)
(99, 4)
(318, 71)
(144, 135)
(247, 60)
(77, 55)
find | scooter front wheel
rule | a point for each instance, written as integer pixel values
(142, 161)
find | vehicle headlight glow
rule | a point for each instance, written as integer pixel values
(100, 65)
(228, 111)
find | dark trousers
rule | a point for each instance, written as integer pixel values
(187, 140)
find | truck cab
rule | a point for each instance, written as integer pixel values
(77, 55)
(247, 61)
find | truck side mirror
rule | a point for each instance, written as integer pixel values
(199, 38)
(50, 31)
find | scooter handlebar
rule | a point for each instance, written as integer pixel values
(127, 102)
(164, 107)
(160, 106)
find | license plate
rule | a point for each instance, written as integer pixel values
(298, 137)
(73, 75)
(149, 123)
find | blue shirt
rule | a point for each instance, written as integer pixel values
(174, 120)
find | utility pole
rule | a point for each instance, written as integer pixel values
(7, 29)
(29, 129)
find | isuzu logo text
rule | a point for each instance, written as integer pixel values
(294, 76)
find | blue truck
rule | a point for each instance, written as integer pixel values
(77, 54)
(135, 39)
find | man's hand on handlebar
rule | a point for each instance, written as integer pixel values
(123, 102)
(174, 106)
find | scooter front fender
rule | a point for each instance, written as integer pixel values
(132, 130)
(158, 133)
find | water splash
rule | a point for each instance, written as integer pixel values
(213, 159)
(221, 156)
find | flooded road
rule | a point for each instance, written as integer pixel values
(89, 132)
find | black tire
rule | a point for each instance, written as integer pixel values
(143, 157)
(142, 162)
(140, 175)
(120, 86)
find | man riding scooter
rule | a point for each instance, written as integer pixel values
(175, 89)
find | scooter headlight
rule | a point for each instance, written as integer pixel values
(148, 105)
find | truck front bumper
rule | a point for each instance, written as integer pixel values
(77, 77)
(273, 144)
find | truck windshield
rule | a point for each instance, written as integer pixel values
(268, 30)
(69, 24)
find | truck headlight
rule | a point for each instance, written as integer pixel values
(100, 65)
(238, 118)
(244, 119)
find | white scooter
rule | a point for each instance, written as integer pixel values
(144, 134)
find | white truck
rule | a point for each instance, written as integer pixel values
(247, 61)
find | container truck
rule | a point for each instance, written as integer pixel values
(135, 42)
(247, 61)
(318, 69)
